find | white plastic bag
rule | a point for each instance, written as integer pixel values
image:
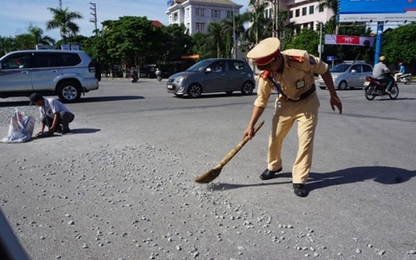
(20, 129)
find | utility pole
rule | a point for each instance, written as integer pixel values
(275, 19)
(60, 4)
(320, 40)
(94, 14)
(234, 38)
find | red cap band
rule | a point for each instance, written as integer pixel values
(266, 60)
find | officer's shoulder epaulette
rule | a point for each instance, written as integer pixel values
(264, 74)
(296, 55)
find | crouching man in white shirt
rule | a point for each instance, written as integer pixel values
(54, 114)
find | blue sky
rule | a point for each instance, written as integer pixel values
(17, 15)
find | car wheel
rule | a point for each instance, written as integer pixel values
(69, 91)
(343, 85)
(194, 90)
(247, 88)
(322, 87)
(228, 93)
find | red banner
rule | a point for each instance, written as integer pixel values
(348, 40)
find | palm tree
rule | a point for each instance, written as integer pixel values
(333, 5)
(37, 34)
(63, 19)
(258, 23)
(215, 37)
(231, 26)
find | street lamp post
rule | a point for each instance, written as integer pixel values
(320, 40)
(94, 14)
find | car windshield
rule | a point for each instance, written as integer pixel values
(340, 68)
(199, 66)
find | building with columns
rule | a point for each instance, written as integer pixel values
(305, 13)
(196, 14)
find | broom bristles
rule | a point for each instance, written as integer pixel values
(209, 175)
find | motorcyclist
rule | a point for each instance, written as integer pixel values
(383, 73)
(401, 71)
(158, 72)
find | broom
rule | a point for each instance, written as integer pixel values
(215, 172)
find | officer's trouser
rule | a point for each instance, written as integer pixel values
(305, 112)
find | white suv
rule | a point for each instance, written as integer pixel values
(48, 72)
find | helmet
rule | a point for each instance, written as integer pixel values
(382, 58)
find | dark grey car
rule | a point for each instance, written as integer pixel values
(213, 75)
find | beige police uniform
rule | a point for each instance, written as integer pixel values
(290, 106)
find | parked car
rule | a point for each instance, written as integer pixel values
(348, 75)
(213, 75)
(48, 72)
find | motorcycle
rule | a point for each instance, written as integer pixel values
(375, 88)
(405, 78)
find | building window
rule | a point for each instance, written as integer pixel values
(321, 9)
(175, 17)
(268, 13)
(200, 27)
(291, 14)
(297, 12)
(304, 11)
(199, 12)
(229, 14)
(311, 9)
(215, 13)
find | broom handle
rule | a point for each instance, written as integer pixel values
(240, 145)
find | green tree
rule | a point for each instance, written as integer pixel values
(131, 40)
(7, 44)
(201, 47)
(64, 20)
(399, 44)
(176, 44)
(307, 40)
(25, 42)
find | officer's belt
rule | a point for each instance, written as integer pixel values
(303, 95)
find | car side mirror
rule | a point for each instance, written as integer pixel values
(208, 69)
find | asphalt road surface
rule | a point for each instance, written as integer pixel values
(121, 185)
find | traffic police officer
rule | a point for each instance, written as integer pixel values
(291, 74)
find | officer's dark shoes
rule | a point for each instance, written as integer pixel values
(300, 189)
(267, 174)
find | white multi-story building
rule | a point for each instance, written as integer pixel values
(305, 13)
(196, 14)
